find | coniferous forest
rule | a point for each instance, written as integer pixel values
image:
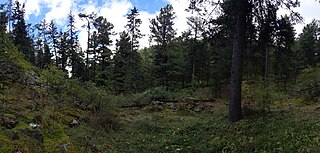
(238, 80)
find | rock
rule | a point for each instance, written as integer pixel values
(9, 122)
(32, 78)
(316, 109)
(74, 123)
(64, 147)
(191, 99)
(135, 112)
(157, 106)
(9, 71)
(34, 125)
(33, 134)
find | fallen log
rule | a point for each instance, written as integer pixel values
(165, 101)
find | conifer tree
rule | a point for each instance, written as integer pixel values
(308, 40)
(283, 53)
(134, 60)
(63, 51)
(120, 62)
(53, 34)
(73, 48)
(103, 53)
(20, 33)
(162, 33)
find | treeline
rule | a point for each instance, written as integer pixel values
(200, 57)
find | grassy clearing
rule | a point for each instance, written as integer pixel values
(295, 130)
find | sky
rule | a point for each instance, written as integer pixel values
(115, 11)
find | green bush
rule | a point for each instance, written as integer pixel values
(256, 97)
(308, 83)
(158, 93)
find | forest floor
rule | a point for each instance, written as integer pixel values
(283, 130)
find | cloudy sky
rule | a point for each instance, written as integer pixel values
(115, 11)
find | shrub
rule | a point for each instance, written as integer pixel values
(308, 83)
(158, 93)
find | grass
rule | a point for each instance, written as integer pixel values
(295, 130)
(141, 130)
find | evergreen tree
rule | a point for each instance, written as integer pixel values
(73, 48)
(63, 51)
(3, 18)
(132, 26)
(45, 55)
(90, 18)
(20, 33)
(239, 13)
(134, 60)
(102, 50)
(163, 33)
(308, 40)
(53, 34)
(120, 63)
(195, 24)
(285, 37)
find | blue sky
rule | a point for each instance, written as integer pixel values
(115, 11)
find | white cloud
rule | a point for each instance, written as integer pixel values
(115, 11)
(179, 6)
(59, 10)
(309, 10)
(145, 30)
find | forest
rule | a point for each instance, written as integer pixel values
(241, 80)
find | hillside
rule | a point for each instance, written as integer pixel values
(44, 111)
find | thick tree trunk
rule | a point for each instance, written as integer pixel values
(239, 44)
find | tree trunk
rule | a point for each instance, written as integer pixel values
(239, 44)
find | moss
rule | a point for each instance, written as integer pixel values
(54, 138)
(8, 116)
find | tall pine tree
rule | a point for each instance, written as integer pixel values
(162, 33)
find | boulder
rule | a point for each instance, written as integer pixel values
(74, 123)
(64, 147)
(33, 134)
(32, 78)
(9, 71)
(34, 125)
(9, 122)
(157, 106)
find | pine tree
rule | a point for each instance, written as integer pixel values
(90, 18)
(53, 34)
(308, 40)
(120, 63)
(20, 33)
(283, 54)
(3, 18)
(240, 11)
(134, 60)
(44, 52)
(102, 50)
(63, 50)
(75, 61)
(163, 33)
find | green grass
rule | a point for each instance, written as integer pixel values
(140, 130)
(281, 131)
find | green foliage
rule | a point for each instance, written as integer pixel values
(170, 132)
(158, 93)
(254, 96)
(308, 83)
(53, 78)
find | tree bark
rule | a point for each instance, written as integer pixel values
(239, 44)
